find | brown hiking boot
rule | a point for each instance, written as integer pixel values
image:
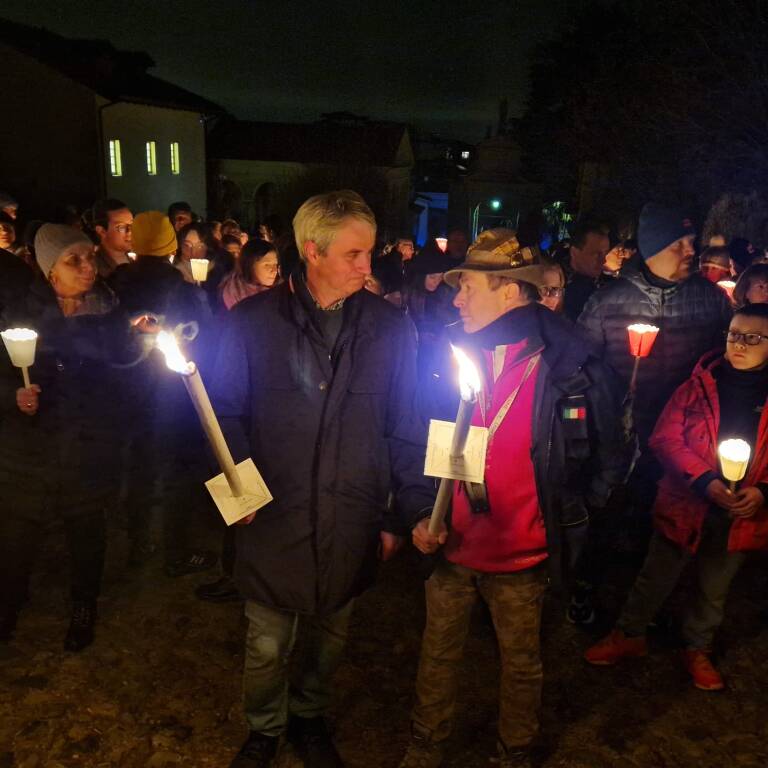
(702, 670)
(615, 647)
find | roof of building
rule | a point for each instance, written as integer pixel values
(338, 138)
(113, 74)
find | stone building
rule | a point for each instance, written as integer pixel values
(82, 120)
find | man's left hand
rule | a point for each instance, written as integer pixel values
(390, 544)
(747, 502)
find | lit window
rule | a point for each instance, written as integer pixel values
(151, 159)
(175, 165)
(115, 158)
(465, 155)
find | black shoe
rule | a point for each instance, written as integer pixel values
(512, 758)
(312, 741)
(221, 591)
(80, 633)
(257, 752)
(194, 562)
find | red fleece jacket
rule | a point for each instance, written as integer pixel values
(511, 536)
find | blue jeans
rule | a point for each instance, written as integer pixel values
(268, 695)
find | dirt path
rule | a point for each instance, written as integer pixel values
(161, 685)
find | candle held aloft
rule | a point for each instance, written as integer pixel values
(469, 388)
(734, 458)
(174, 359)
(199, 269)
(21, 344)
(641, 339)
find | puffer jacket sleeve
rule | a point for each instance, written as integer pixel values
(406, 436)
(669, 442)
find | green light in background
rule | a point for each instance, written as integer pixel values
(495, 204)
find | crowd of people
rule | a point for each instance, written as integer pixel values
(326, 357)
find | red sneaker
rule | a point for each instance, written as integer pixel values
(702, 670)
(615, 647)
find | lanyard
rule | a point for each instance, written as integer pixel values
(510, 401)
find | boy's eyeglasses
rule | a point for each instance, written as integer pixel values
(750, 339)
(550, 292)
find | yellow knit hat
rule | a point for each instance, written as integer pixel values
(153, 234)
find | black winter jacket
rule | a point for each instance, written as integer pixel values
(331, 438)
(576, 462)
(67, 455)
(691, 316)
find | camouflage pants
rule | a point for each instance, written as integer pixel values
(515, 601)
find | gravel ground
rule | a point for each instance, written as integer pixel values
(161, 684)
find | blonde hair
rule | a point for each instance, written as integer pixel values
(321, 216)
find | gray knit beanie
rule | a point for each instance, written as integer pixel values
(52, 240)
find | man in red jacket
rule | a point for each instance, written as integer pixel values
(696, 515)
(551, 411)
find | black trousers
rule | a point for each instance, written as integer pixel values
(20, 542)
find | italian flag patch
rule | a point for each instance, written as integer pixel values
(575, 414)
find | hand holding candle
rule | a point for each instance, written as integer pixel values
(734, 458)
(21, 344)
(641, 340)
(469, 387)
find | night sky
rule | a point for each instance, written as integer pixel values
(442, 66)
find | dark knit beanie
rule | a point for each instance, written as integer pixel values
(659, 227)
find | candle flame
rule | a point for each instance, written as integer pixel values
(642, 328)
(727, 286)
(735, 450)
(469, 378)
(167, 344)
(19, 334)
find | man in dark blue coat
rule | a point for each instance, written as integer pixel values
(315, 380)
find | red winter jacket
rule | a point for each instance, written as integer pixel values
(685, 442)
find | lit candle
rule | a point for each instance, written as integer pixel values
(166, 343)
(469, 388)
(727, 286)
(442, 243)
(734, 457)
(21, 344)
(199, 270)
(641, 340)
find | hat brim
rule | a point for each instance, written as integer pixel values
(532, 273)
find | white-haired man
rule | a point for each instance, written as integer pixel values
(316, 382)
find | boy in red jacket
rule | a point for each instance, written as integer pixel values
(695, 515)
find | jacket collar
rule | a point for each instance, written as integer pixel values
(297, 305)
(563, 346)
